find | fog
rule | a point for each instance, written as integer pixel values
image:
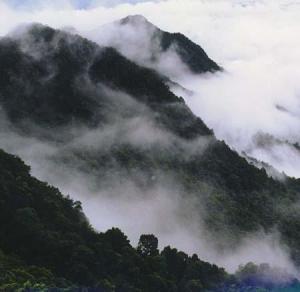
(119, 200)
(257, 93)
(140, 41)
(255, 41)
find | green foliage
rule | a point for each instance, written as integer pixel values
(16, 276)
(148, 245)
(47, 243)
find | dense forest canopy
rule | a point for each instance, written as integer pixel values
(46, 242)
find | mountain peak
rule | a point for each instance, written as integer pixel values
(32, 29)
(135, 19)
(138, 32)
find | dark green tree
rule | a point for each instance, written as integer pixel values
(148, 245)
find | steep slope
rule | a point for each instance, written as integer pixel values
(48, 243)
(282, 154)
(141, 41)
(56, 78)
(64, 90)
(191, 54)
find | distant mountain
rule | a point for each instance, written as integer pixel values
(67, 91)
(271, 171)
(282, 154)
(141, 41)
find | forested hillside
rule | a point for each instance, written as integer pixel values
(47, 241)
(56, 87)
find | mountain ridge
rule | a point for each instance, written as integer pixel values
(154, 48)
(190, 53)
(56, 88)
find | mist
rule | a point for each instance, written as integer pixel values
(162, 209)
(254, 41)
(258, 92)
(132, 203)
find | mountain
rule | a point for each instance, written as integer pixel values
(141, 41)
(112, 121)
(51, 65)
(282, 154)
(46, 242)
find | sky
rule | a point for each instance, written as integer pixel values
(77, 4)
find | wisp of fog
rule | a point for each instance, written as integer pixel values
(256, 97)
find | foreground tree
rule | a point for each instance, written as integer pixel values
(148, 245)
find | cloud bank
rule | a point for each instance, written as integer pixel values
(254, 40)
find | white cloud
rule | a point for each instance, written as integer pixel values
(258, 44)
(255, 41)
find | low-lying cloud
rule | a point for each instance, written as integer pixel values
(255, 41)
(258, 92)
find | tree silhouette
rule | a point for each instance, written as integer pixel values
(148, 245)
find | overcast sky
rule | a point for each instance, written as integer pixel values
(77, 4)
